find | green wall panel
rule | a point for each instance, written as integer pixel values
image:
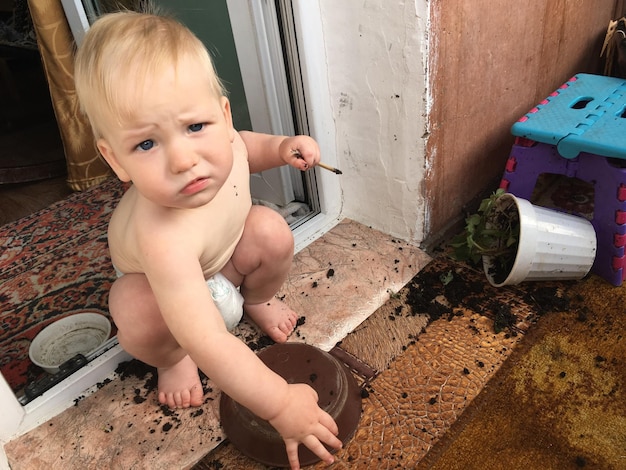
(209, 21)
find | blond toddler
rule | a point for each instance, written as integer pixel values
(185, 235)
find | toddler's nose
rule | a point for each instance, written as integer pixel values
(181, 158)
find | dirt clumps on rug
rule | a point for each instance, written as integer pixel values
(434, 348)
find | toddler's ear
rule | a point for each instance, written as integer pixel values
(108, 154)
(228, 116)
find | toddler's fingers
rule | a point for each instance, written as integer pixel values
(292, 455)
(298, 160)
(315, 446)
(329, 423)
(329, 438)
(304, 160)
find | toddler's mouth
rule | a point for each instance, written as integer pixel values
(196, 186)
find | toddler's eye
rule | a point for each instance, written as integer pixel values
(196, 127)
(146, 145)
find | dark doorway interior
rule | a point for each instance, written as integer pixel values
(30, 145)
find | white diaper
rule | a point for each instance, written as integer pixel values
(226, 296)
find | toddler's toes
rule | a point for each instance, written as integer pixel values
(287, 328)
(278, 334)
(196, 396)
(274, 318)
(167, 399)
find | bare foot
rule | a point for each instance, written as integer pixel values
(274, 317)
(179, 385)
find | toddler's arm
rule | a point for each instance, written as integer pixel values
(197, 326)
(291, 408)
(267, 151)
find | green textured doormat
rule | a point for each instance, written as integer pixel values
(559, 401)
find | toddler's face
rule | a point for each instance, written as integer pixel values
(176, 148)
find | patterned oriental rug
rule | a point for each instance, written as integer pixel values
(53, 263)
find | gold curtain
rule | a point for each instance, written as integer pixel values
(85, 167)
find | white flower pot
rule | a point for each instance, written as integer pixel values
(552, 244)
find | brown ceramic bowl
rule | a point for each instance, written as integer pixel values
(338, 392)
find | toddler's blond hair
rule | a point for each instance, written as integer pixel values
(121, 51)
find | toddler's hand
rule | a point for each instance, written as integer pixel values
(302, 421)
(301, 152)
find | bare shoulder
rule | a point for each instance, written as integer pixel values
(139, 236)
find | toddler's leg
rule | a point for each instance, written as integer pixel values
(143, 334)
(260, 265)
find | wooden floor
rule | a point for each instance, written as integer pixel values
(22, 199)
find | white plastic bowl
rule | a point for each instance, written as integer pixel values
(80, 333)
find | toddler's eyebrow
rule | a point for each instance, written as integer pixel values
(133, 133)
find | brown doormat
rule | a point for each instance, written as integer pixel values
(559, 402)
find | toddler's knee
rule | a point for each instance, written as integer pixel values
(279, 240)
(274, 232)
(130, 296)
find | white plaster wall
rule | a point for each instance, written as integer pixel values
(376, 52)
